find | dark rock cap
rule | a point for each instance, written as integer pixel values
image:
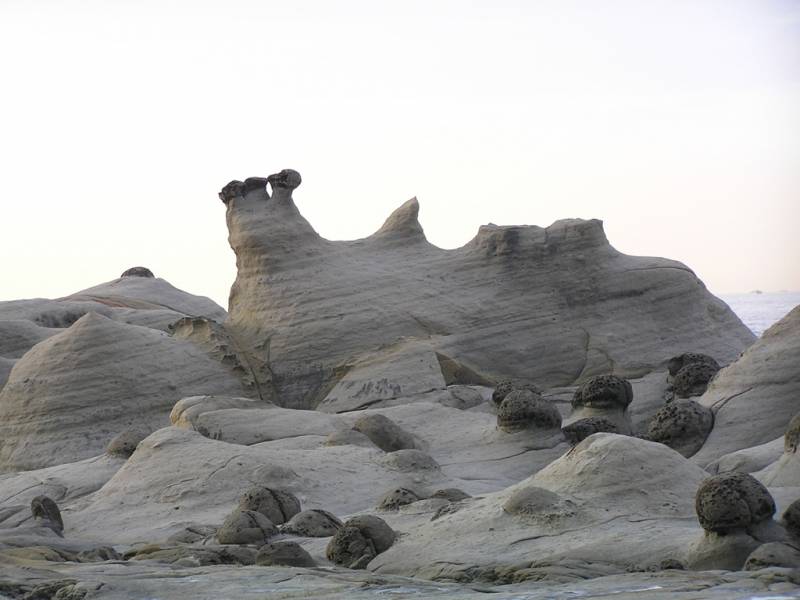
(604, 391)
(506, 386)
(523, 409)
(138, 272)
(676, 363)
(579, 430)
(732, 501)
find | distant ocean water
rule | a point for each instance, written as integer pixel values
(760, 311)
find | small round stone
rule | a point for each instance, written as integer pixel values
(288, 554)
(693, 379)
(312, 523)
(506, 386)
(277, 505)
(138, 272)
(246, 527)
(579, 430)
(524, 409)
(397, 497)
(604, 391)
(731, 501)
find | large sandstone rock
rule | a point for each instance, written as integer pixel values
(555, 305)
(754, 398)
(72, 393)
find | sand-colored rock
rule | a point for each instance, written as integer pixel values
(555, 304)
(72, 393)
(754, 398)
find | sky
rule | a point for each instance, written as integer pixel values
(675, 122)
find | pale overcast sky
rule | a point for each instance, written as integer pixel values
(676, 122)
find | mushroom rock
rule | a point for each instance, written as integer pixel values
(683, 425)
(693, 379)
(72, 393)
(505, 387)
(676, 363)
(735, 510)
(397, 497)
(755, 397)
(606, 396)
(524, 409)
(360, 540)
(555, 304)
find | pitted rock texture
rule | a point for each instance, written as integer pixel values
(755, 397)
(278, 506)
(604, 392)
(505, 387)
(693, 379)
(246, 527)
(732, 501)
(676, 363)
(310, 307)
(360, 540)
(384, 433)
(397, 497)
(138, 272)
(72, 393)
(312, 523)
(524, 409)
(290, 554)
(683, 425)
(451, 494)
(579, 430)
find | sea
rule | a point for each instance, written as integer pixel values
(759, 310)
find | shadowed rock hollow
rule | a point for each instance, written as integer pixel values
(555, 305)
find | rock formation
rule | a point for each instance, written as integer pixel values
(755, 397)
(71, 394)
(555, 305)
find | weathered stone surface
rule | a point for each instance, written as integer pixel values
(124, 444)
(397, 497)
(676, 363)
(524, 409)
(732, 501)
(773, 554)
(505, 387)
(360, 540)
(137, 272)
(563, 304)
(693, 379)
(312, 523)
(579, 430)
(71, 394)
(755, 397)
(246, 527)
(46, 512)
(605, 396)
(277, 505)
(384, 433)
(683, 425)
(290, 554)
